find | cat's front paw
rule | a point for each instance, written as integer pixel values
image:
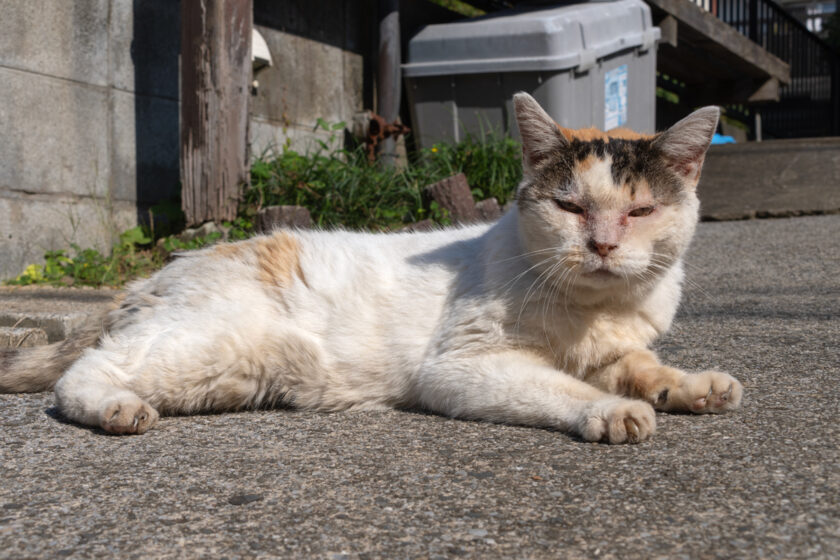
(619, 421)
(128, 416)
(706, 392)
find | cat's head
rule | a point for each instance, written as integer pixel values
(608, 209)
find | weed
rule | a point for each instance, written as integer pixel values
(339, 187)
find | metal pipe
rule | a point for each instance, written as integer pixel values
(389, 78)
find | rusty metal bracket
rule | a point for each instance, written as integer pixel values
(378, 130)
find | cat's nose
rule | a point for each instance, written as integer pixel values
(602, 249)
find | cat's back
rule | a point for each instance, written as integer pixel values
(403, 256)
(331, 264)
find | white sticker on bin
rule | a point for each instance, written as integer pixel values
(615, 97)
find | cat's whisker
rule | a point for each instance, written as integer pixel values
(531, 290)
(523, 255)
(545, 313)
(509, 285)
(657, 262)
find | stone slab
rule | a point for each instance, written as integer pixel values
(21, 337)
(54, 136)
(772, 178)
(33, 224)
(57, 38)
(58, 312)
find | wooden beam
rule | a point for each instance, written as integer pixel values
(723, 39)
(732, 91)
(768, 91)
(668, 27)
(215, 75)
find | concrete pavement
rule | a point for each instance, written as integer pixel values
(763, 302)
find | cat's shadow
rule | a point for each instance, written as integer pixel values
(54, 413)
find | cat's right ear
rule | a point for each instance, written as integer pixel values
(684, 145)
(540, 134)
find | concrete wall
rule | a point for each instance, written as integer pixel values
(88, 120)
(89, 107)
(771, 178)
(318, 50)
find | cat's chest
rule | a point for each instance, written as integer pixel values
(578, 343)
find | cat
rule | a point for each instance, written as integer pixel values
(543, 318)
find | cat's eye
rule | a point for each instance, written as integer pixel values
(640, 212)
(569, 206)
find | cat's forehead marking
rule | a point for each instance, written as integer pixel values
(589, 134)
(620, 164)
(596, 183)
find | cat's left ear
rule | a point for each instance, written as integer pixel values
(684, 145)
(540, 135)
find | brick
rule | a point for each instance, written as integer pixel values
(488, 210)
(273, 217)
(422, 225)
(453, 194)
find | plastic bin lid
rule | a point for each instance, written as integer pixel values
(572, 36)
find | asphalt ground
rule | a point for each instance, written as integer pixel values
(763, 302)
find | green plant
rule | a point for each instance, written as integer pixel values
(89, 267)
(491, 164)
(339, 187)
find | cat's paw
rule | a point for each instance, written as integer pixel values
(128, 416)
(706, 392)
(619, 421)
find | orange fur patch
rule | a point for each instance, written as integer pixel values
(589, 134)
(641, 376)
(229, 250)
(278, 259)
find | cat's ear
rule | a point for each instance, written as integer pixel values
(540, 134)
(684, 145)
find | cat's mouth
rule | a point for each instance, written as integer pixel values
(602, 272)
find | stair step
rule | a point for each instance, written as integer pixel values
(57, 326)
(22, 337)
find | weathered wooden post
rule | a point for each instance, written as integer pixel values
(215, 78)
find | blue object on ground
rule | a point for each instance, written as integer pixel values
(721, 139)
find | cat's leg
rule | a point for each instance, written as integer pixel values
(93, 392)
(516, 388)
(639, 375)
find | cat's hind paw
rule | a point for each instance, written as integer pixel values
(706, 392)
(128, 416)
(620, 421)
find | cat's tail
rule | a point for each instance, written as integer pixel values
(30, 370)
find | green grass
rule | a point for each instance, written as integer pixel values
(89, 267)
(339, 187)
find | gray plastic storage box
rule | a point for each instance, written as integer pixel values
(590, 64)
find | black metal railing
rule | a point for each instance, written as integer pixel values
(810, 104)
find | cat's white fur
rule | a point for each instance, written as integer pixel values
(506, 322)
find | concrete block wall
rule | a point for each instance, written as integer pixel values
(318, 72)
(89, 134)
(88, 121)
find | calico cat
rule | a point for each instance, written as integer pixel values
(543, 318)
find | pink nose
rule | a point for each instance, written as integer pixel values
(602, 249)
